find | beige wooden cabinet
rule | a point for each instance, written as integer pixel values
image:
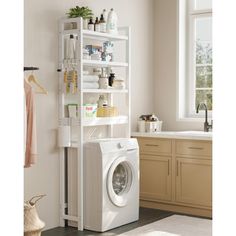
(176, 175)
(155, 177)
(193, 181)
(155, 169)
(193, 172)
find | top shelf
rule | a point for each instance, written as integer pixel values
(103, 36)
(88, 34)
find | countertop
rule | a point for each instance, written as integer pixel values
(194, 135)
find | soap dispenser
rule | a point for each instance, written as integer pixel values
(112, 22)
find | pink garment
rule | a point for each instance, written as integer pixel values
(30, 139)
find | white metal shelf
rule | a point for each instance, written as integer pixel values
(103, 36)
(97, 91)
(96, 35)
(105, 121)
(92, 63)
(115, 120)
(104, 91)
(95, 63)
(77, 124)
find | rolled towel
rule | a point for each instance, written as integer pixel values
(90, 78)
(85, 72)
(90, 85)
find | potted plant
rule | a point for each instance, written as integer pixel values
(83, 12)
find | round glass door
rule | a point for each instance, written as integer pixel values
(120, 178)
(119, 181)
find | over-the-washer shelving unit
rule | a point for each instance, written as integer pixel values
(80, 123)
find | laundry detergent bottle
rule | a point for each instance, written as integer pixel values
(112, 22)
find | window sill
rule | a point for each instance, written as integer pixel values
(192, 119)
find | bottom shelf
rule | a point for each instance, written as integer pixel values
(105, 121)
(116, 120)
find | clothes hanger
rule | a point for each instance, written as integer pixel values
(32, 78)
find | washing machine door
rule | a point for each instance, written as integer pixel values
(120, 181)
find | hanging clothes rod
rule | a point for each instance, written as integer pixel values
(30, 68)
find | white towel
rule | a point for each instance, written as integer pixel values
(85, 72)
(90, 85)
(90, 78)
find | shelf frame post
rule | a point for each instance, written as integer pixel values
(61, 115)
(80, 127)
(128, 78)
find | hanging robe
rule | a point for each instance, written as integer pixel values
(30, 127)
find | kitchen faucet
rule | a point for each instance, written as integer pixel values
(207, 126)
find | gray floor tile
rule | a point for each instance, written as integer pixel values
(146, 216)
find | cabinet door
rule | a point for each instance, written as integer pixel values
(194, 181)
(155, 177)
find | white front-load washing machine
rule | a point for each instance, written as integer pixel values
(111, 187)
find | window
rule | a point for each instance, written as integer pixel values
(196, 28)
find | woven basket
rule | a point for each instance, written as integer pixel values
(32, 224)
(107, 112)
(33, 233)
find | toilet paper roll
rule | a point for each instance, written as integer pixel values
(64, 136)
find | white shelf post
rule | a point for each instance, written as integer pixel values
(80, 131)
(61, 115)
(128, 77)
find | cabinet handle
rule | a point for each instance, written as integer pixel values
(168, 167)
(152, 145)
(196, 148)
(177, 170)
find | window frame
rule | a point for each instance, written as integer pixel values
(185, 88)
(192, 15)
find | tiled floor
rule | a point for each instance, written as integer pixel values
(146, 216)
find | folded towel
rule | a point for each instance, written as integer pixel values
(90, 78)
(85, 72)
(90, 85)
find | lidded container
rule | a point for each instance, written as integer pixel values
(103, 80)
(111, 78)
(153, 124)
(102, 101)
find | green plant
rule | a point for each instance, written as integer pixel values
(77, 11)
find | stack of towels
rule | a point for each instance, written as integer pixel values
(90, 81)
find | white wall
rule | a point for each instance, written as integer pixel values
(41, 49)
(165, 67)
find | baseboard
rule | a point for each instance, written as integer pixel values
(177, 208)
